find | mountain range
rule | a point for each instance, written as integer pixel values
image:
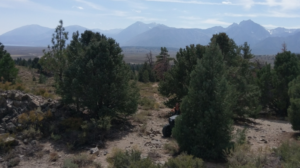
(261, 40)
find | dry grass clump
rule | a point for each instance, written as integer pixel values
(53, 157)
(120, 158)
(12, 159)
(11, 86)
(141, 117)
(5, 146)
(80, 161)
(172, 148)
(153, 155)
(32, 85)
(183, 161)
(243, 157)
(142, 129)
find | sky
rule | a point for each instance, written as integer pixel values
(111, 14)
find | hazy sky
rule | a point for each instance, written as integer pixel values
(109, 14)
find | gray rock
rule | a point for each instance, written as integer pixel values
(3, 95)
(4, 165)
(10, 127)
(18, 96)
(17, 103)
(3, 112)
(2, 131)
(25, 141)
(2, 102)
(11, 95)
(25, 97)
(94, 150)
(1, 160)
(105, 153)
(5, 119)
(33, 142)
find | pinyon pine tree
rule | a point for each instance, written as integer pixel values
(98, 78)
(8, 71)
(293, 110)
(204, 127)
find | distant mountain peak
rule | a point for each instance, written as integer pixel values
(232, 25)
(248, 23)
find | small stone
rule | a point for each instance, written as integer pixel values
(105, 153)
(25, 141)
(94, 150)
(131, 142)
(33, 142)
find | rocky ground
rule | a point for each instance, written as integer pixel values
(260, 134)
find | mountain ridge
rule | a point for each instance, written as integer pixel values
(261, 40)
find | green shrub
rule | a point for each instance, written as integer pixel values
(42, 79)
(68, 163)
(55, 137)
(147, 163)
(120, 158)
(184, 161)
(31, 133)
(290, 154)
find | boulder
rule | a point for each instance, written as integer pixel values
(3, 112)
(34, 104)
(2, 102)
(11, 95)
(17, 103)
(18, 96)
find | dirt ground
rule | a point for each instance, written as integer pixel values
(261, 134)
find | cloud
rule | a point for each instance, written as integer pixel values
(214, 22)
(189, 18)
(187, 2)
(79, 7)
(141, 18)
(247, 4)
(90, 4)
(226, 2)
(273, 14)
(284, 4)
